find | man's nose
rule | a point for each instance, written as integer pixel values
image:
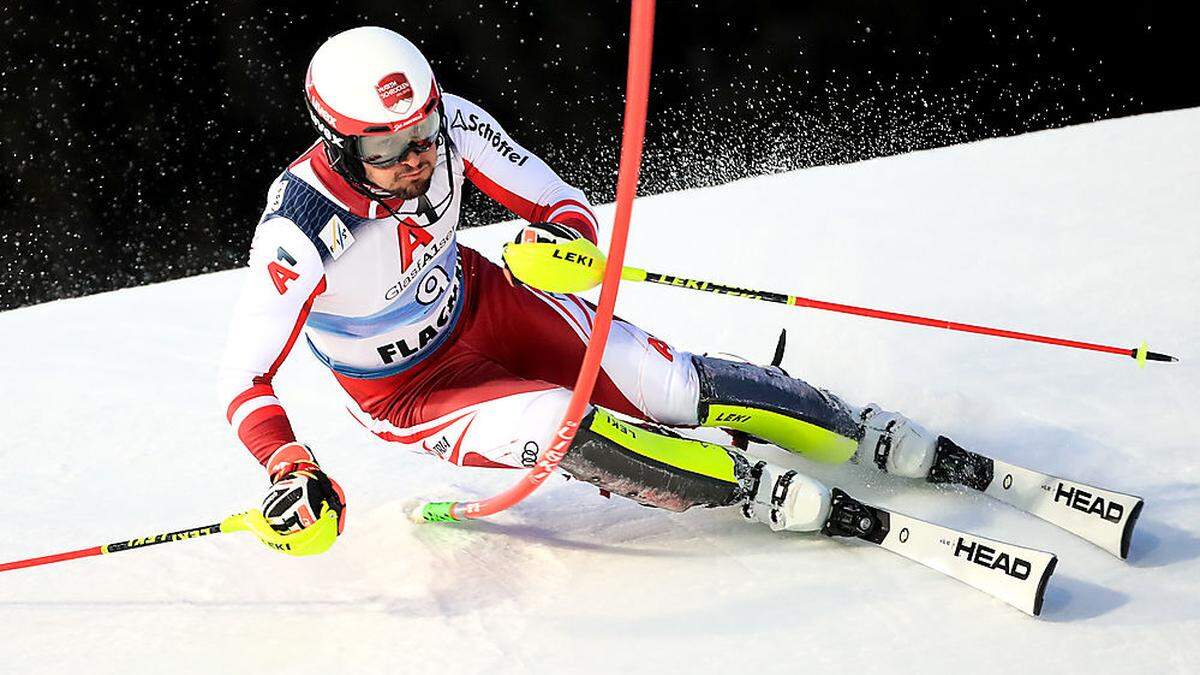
(411, 160)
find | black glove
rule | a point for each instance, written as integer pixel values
(546, 233)
(300, 491)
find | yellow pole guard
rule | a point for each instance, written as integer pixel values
(568, 267)
(314, 539)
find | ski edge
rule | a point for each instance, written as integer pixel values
(850, 517)
(1127, 535)
(1040, 595)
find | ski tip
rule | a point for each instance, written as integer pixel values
(1127, 534)
(1041, 589)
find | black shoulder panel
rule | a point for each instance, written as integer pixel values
(311, 211)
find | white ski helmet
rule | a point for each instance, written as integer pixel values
(372, 96)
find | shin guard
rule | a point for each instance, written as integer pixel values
(652, 467)
(768, 404)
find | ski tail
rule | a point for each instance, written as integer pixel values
(1013, 574)
(1103, 517)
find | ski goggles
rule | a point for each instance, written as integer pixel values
(388, 149)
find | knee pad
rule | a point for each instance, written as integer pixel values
(768, 404)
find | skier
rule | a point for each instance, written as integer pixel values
(443, 352)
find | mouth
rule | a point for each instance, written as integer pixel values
(411, 174)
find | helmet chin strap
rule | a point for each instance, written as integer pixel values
(351, 170)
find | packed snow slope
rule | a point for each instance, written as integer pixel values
(111, 430)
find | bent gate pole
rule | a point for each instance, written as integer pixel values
(637, 91)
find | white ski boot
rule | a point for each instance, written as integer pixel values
(898, 445)
(785, 499)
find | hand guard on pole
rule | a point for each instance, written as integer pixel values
(570, 267)
(539, 233)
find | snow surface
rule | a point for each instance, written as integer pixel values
(111, 431)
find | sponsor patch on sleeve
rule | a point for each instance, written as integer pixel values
(336, 236)
(275, 195)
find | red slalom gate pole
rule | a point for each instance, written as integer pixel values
(637, 91)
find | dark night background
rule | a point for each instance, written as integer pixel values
(139, 141)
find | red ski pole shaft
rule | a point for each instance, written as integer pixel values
(47, 559)
(1139, 353)
(114, 547)
(953, 325)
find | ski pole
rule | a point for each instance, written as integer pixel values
(314, 539)
(576, 265)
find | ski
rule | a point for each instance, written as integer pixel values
(1102, 517)
(1011, 573)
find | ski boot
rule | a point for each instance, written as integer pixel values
(785, 499)
(896, 444)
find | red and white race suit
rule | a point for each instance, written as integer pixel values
(437, 349)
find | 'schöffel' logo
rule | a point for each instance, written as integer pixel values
(395, 92)
(489, 134)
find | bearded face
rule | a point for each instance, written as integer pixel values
(408, 178)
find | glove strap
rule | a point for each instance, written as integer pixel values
(292, 458)
(545, 232)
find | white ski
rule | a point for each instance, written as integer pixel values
(1103, 517)
(1014, 574)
